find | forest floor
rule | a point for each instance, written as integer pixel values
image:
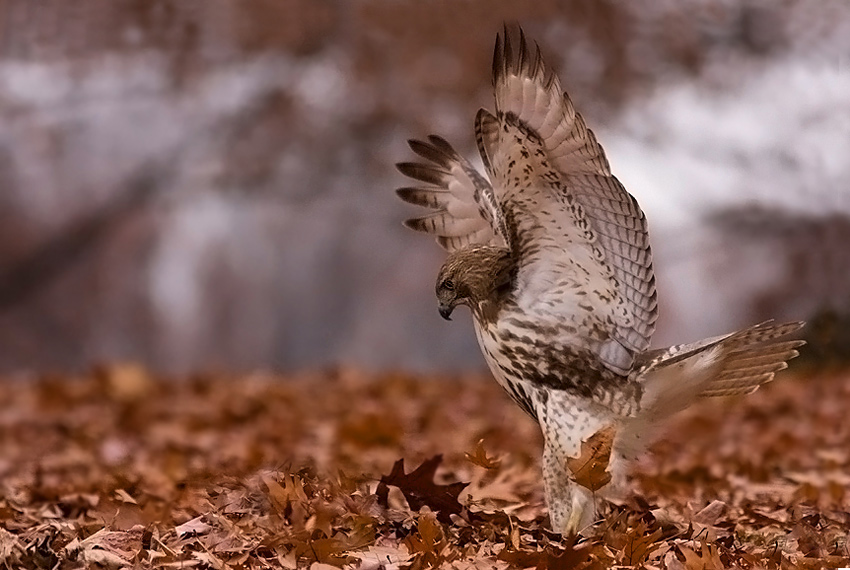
(118, 468)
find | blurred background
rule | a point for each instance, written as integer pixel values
(199, 184)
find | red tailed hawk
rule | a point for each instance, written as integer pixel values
(552, 256)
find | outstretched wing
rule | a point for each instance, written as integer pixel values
(580, 238)
(465, 208)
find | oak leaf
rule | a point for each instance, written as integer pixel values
(430, 544)
(639, 545)
(590, 468)
(479, 457)
(419, 489)
(570, 554)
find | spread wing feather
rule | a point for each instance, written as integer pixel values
(465, 208)
(572, 225)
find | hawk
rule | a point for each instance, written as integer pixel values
(551, 254)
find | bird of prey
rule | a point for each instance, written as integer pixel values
(551, 254)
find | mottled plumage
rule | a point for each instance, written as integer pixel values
(552, 256)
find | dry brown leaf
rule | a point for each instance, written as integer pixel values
(590, 468)
(708, 558)
(711, 513)
(327, 550)
(11, 548)
(503, 488)
(639, 545)
(323, 517)
(195, 527)
(431, 542)
(104, 558)
(479, 457)
(382, 556)
(211, 560)
(430, 533)
(419, 488)
(125, 497)
(282, 496)
(111, 549)
(568, 555)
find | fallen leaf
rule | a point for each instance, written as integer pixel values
(569, 555)
(711, 513)
(479, 457)
(211, 560)
(419, 489)
(430, 543)
(104, 558)
(382, 556)
(194, 527)
(639, 544)
(707, 559)
(125, 497)
(590, 468)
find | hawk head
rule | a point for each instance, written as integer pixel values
(479, 277)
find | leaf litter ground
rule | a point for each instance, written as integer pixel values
(117, 469)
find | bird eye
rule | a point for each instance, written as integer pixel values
(448, 285)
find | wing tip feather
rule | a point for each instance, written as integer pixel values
(425, 197)
(498, 55)
(428, 173)
(413, 224)
(404, 193)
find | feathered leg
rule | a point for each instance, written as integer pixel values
(571, 506)
(566, 422)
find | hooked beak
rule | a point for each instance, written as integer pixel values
(446, 311)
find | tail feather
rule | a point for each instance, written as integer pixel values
(745, 370)
(768, 355)
(675, 377)
(737, 363)
(761, 333)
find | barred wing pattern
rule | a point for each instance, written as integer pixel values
(580, 239)
(466, 211)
